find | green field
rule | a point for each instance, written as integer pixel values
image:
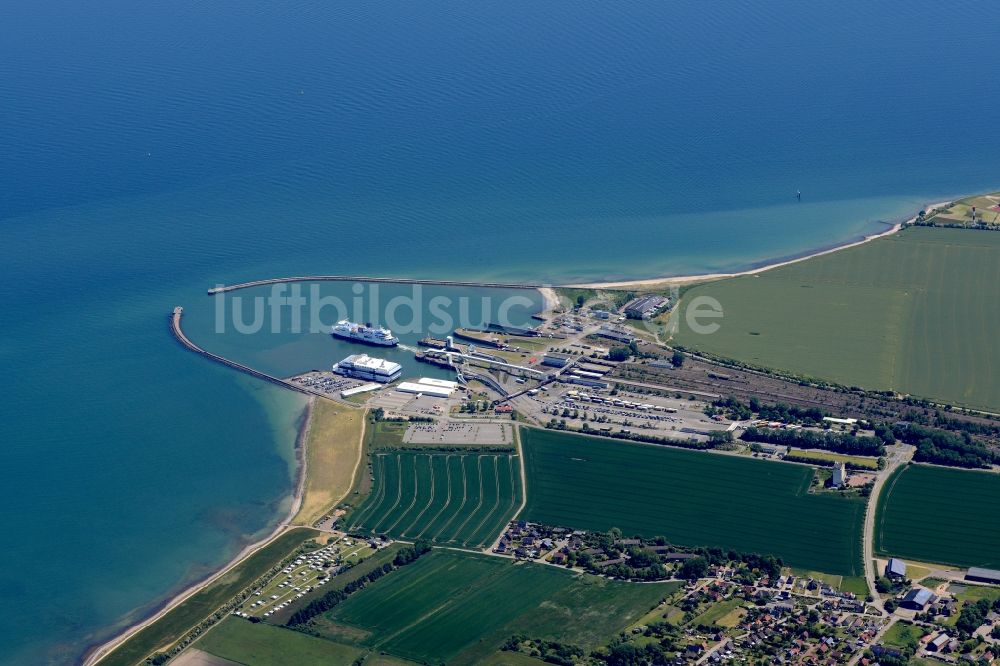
(459, 607)
(917, 312)
(264, 645)
(819, 454)
(385, 434)
(903, 635)
(974, 593)
(946, 516)
(449, 498)
(692, 498)
(178, 621)
(717, 611)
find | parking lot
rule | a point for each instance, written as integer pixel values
(671, 417)
(327, 382)
(451, 433)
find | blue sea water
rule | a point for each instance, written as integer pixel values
(149, 150)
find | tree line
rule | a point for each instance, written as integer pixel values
(741, 411)
(946, 448)
(811, 439)
(971, 427)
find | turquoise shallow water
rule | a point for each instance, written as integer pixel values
(150, 151)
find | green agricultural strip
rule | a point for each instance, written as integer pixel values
(385, 434)
(917, 312)
(462, 499)
(459, 607)
(178, 621)
(692, 498)
(940, 515)
(817, 454)
(261, 644)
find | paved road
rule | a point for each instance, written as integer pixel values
(874, 641)
(718, 647)
(898, 455)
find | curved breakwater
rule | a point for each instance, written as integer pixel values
(358, 278)
(178, 331)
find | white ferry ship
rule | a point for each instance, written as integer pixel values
(363, 366)
(367, 334)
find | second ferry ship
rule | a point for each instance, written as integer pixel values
(367, 334)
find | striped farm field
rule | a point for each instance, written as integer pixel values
(692, 498)
(940, 515)
(462, 499)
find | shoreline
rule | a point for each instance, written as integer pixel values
(547, 290)
(550, 301)
(95, 653)
(679, 280)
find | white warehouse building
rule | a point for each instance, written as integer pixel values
(424, 389)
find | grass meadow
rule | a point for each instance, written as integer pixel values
(866, 462)
(332, 450)
(386, 434)
(917, 312)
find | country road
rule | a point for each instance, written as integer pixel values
(898, 455)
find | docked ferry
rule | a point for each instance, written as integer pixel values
(367, 334)
(363, 366)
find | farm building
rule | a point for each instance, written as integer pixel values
(983, 575)
(895, 568)
(917, 599)
(938, 643)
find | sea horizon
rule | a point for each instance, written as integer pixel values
(152, 152)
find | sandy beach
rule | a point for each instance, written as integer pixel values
(550, 300)
(659, 283)
(97, 653)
